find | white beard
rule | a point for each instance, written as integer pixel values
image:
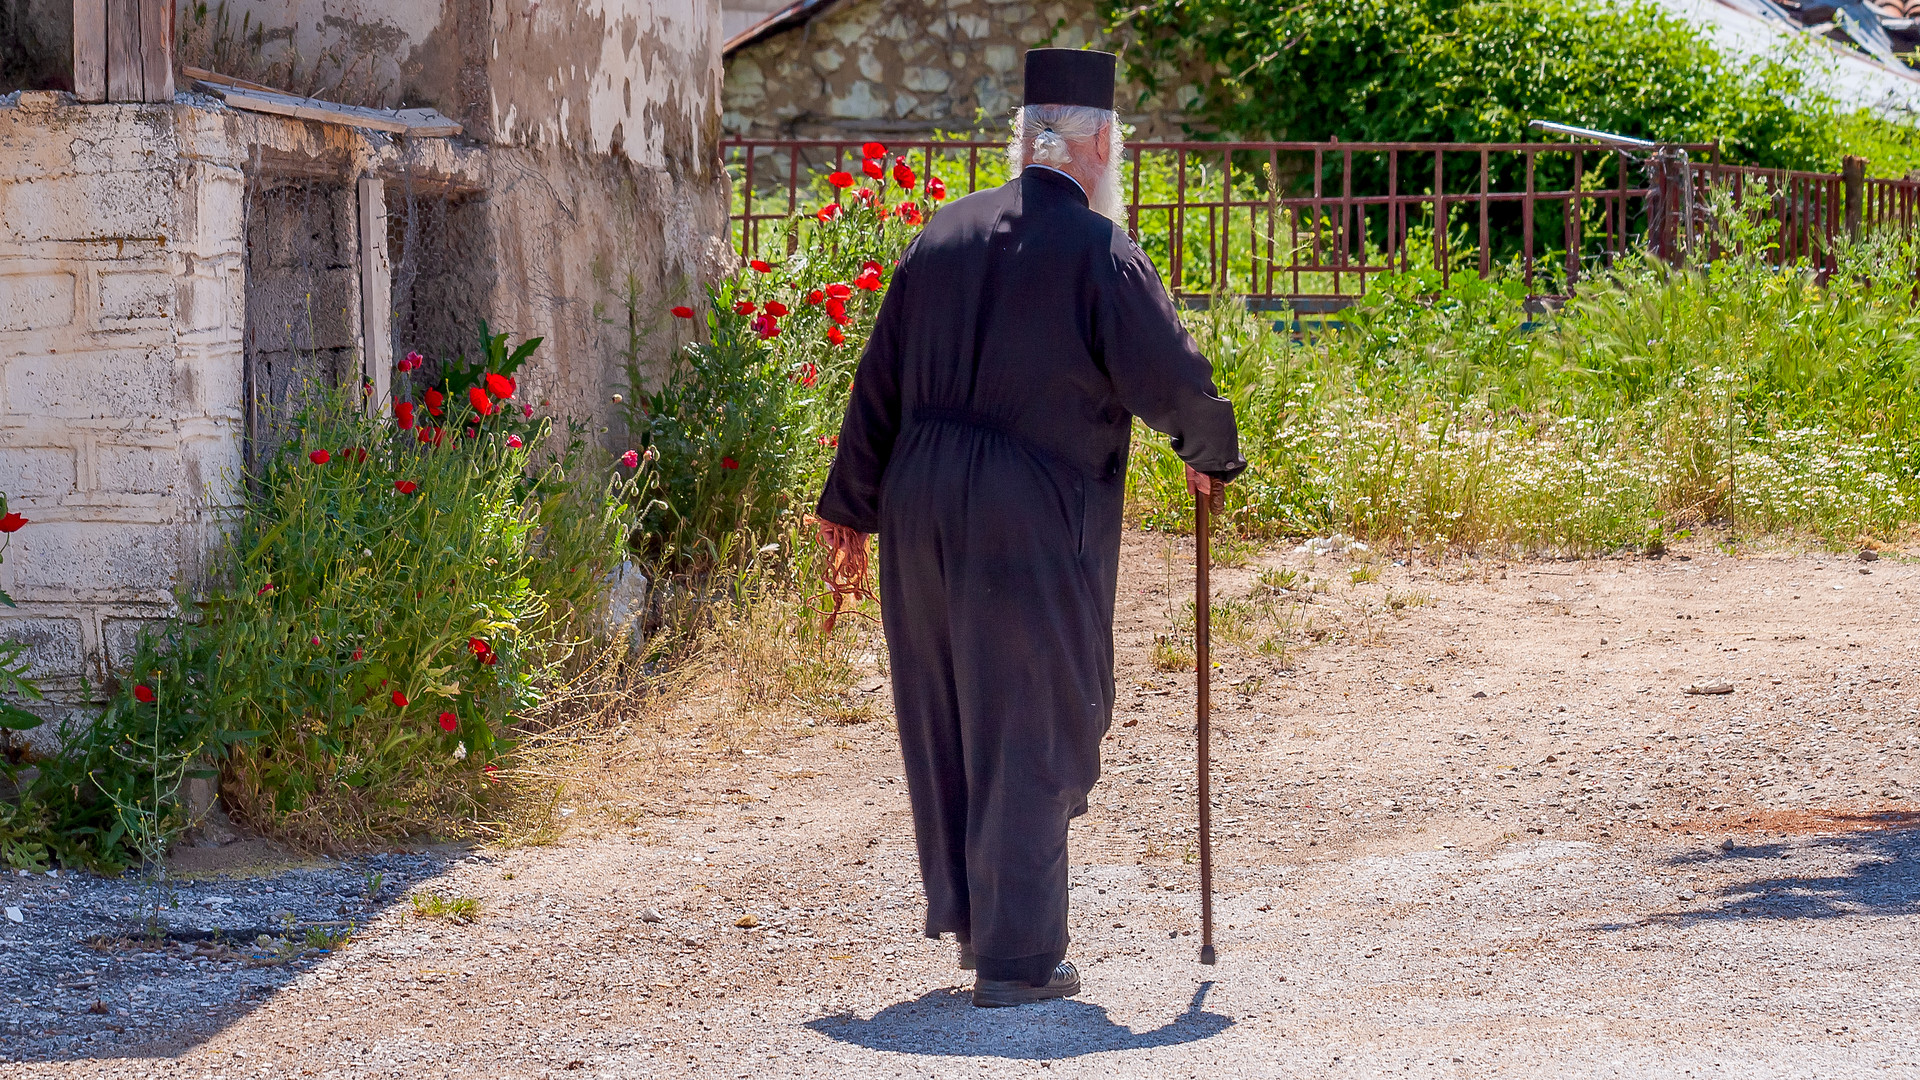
(1105, 198)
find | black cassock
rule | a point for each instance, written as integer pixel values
(986, 442)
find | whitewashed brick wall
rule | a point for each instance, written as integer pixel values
(120, 372)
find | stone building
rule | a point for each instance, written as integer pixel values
(172, 268)
(904, 68)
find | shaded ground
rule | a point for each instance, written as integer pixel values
(1476, 829)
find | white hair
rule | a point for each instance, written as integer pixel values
(1047, 135)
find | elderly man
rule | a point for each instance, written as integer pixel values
(986, 442)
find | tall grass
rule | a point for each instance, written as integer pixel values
(1763, 400)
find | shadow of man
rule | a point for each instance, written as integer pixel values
(944, 1023)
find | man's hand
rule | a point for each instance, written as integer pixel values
(843, 541)
(1199, 483)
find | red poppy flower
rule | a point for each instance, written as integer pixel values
(776, 308)
(490, 658)
(835, 335)
(630, 459)
(840, 179)
(11, 523)
(873, 168)
(839, 291)
(355, 454)
(810, 374)
(436, 402)
(479, 646)
(143, 694)
(526, 410)
(473, 433)
(683, 312)
(264, 589)
(865, 196)
(479, 399)
(910, 213)
(868, 280)
(399, 699)
(500, 386)
(936, 188)
(315, 640)
(828, 212)
(357, 654)
(816, 296)
(873, 149)
(514, 443)
(403, 413)
(432, 435)
(490, 769)
(412, 362)
(744, 307)
(448, 721)
(762, 266)
(319, 457)
(405, 487)
(903, 175)
(729, 463)
(837, 311)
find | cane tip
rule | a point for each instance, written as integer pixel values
(1207, 955)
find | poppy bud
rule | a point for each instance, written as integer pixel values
(448, 721)
(514, 443)
(143, 694)
(630, 459)
(683, 312)
(479, 399)
(315, 640)
(840, 179)
(526, 410)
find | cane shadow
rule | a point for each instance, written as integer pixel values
(945, 1023)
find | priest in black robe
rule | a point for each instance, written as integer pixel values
(986, 442)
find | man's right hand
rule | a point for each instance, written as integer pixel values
(1199, 483)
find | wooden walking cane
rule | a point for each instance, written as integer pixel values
(1203, 505)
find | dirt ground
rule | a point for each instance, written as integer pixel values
(1468, 823)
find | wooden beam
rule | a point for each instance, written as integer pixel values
(125, 79)
(90, 50)
(156, 51)
(376, 296)
(417, 122)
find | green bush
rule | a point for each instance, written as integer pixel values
(397, 591)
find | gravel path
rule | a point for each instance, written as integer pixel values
(1477, 830)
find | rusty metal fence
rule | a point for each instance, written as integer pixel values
(1304, 225)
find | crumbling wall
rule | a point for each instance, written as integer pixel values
(913, 67)
(36, 45)
(120, 347)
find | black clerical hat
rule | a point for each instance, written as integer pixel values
(1070, 77)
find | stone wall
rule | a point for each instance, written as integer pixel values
(913, 67)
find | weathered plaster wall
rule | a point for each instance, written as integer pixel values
(36, 45)
(124, 289)
(120, 400)
(907, 67)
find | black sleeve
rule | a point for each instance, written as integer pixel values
(852, 493)
(1158, 370)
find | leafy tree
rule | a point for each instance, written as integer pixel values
(1445, 71)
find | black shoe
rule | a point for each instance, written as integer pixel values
(999, 993)
(966, 957)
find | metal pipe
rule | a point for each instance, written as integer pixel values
(1589, 134)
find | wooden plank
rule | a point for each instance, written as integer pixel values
(90, 50)
(125, 82)
(417, 122)
(376, 295)
(156, 51)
